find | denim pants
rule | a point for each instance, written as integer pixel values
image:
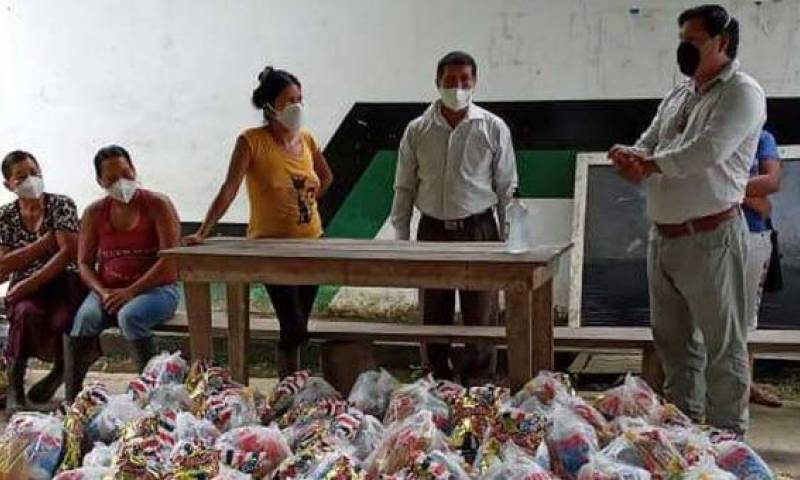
(135, 318)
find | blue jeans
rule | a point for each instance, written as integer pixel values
(135, 318)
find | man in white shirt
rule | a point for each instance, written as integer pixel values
(456, 164)
(694, 163)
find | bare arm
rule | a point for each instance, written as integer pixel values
(21, 258)
(323, 171)
(768, 181)
(240, 162)
(67, 247)
(760, 205)
(87, 251)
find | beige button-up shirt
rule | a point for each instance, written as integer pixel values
(703, 142)
(452, 173)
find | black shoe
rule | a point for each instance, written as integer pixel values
(79, 354)
(143, 350)
(45, 388)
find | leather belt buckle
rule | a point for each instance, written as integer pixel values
(453, 224)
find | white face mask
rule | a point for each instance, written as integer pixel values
(122, 190)
(30, 188)
(456, 98)
(291, 117)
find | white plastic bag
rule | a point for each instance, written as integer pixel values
(119, 411)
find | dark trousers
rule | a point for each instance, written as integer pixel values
(477, 307)
(292, 304)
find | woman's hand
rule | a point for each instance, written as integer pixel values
(192, 240)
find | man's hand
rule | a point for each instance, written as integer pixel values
(20, 291)
(115, 299)
(631, 164)
(192, 240)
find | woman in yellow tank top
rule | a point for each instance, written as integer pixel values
(285, 173)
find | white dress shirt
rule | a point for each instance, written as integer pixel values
(452, 173)
(704, 143)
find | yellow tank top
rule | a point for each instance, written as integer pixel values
(282, 188)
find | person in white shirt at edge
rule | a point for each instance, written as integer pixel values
(456, 164)
(693, 162)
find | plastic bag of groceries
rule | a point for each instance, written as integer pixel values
(402, 441)
(545, 386)
(228, 473)
(255, 450)
(119, 411)
(87, 473)
(571, 443)
(166, 368)
(231, 408)
(371, 392)
(742, 461)
(101, 455)
(189, 428)
(31, 446)
(601, 467)
(170, 397)
(660, 457)
(360, 430)
(623, 451)
(337, 465)
(634, 398)
(513, 463)
(413, 398)
(588, 413)
(693, 444)
(707, 469)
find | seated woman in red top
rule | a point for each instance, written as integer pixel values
(38, 243)
(120, 237)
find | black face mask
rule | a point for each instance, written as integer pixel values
(688, 58)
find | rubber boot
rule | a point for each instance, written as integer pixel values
(79, 354)
(143, 350)
(15, 397)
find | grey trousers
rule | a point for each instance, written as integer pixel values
(699, 311)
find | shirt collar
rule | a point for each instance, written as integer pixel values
(474, 112)
(722, 77)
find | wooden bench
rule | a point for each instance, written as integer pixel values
(342, 362)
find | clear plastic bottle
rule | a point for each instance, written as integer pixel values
(517, 225)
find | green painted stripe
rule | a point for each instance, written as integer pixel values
(546, 173)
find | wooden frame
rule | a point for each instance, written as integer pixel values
(582, 163)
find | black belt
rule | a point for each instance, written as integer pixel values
(461, 223)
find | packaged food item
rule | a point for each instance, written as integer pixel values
(338, 466)
(35, 441)
(101, 455)
(86, 473)
(371, 392)
(546, 386)
(601, 467)
(362, 431)
(669, 415)
(189, 428)
(707, 469)
(659, 456)
(623, 451)
(415, 397)
(117, 412)
(403, 440)
(693, 444)
(254, 450)
(634, 398)
(448, 391)
(231, 408)
(741, 460)
(193, 460)
(513, 463)
(571, 443)
(166, 368)
(171, 396)
(438, 465)
(88, 403)
(472, 416)
(588, 413)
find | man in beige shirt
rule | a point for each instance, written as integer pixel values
(694, 162)
(456, 164)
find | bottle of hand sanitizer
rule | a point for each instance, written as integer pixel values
(516, 225)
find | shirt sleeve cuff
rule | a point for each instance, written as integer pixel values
(667, 165)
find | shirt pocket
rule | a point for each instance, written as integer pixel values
(477, 156)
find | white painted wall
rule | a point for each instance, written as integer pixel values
(171, 79)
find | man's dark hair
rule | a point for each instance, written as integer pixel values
(107, 153)
(456, 59)
(271, 83)
(14, 158)
(716, 21)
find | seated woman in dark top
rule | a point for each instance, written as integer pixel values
(38, 244)
(121, 235)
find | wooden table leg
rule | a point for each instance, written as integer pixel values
(198, 311)
(238, 295)
(542, 299)
(518, 336)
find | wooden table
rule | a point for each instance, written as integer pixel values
(526, 279)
